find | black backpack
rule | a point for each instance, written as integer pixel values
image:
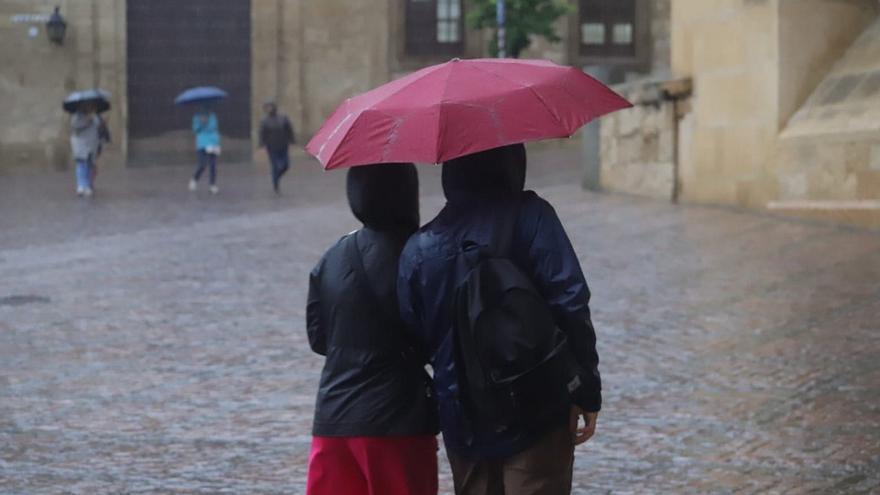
(514, 364)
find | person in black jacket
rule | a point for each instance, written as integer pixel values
(276, 135)
(485, 458)
(374, 428)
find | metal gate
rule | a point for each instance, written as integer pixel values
(173, 45)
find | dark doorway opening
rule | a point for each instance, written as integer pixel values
(173, 45)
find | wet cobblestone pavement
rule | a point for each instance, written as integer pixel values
(153, 342)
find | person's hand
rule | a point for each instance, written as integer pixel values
(581, 435)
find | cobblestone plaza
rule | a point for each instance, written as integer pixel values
(153, 341)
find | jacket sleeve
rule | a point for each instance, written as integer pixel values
(197, 124)
(314, 327)
(557, 273)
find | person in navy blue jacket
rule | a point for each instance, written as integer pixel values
(529, 460)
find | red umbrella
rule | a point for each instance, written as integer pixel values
(458, 108)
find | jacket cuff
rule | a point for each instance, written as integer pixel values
(591, 404)
(588, 397)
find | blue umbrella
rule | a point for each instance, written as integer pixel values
(200, 94)
(99, 97)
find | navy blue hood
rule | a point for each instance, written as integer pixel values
(498, 170)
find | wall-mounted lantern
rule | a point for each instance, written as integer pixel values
(56, 27)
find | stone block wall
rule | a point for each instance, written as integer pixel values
(754, 63)
(310, 56)
(36, 75)
(661, 25)
(729, 49)
(784, 111)
(307, 55)
(828, 155)
(638, 144)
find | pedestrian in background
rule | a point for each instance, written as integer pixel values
(84, 143)
(207, 132)
(375, 423)
(276, 135)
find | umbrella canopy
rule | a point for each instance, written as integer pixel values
(99, 97)
(461, 107)
(200, 94)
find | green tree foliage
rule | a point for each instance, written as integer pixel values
(524, 18)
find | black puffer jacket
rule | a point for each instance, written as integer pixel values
(373, 383)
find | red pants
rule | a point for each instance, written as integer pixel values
(373, 466)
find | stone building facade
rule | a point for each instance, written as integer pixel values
(36, 75)
(756, 103)
(307, 55)
(770, 104)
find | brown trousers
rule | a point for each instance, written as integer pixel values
(543, 469)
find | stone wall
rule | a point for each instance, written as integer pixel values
(661, 11)
(729, 48)
(753, 63)
(36, 76)
(312, 55)
(636, 147)
(784, 112)
(813, 35)
(828, 156)
(638, 144)
(307, 55)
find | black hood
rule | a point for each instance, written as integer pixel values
(385, 197)
(498, 170)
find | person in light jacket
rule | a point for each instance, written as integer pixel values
(84, 142)
(207, 132)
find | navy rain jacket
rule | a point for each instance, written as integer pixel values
(477, 189)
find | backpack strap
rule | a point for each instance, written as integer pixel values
(410, 351)
(353, 253)
(502, 235)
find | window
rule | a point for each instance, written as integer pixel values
(434, 27)
(448, 17)
(608, 28)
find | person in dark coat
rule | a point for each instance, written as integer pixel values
(276, 135)
(375, 421)
(485, 459)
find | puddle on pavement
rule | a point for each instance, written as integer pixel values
(23, 299)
